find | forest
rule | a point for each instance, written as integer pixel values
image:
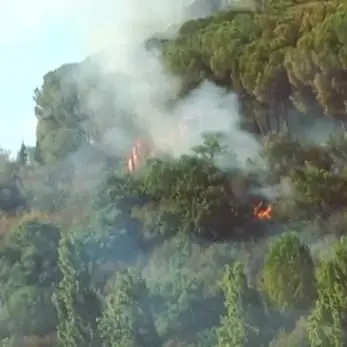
(190, 250)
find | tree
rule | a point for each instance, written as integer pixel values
(286, 61)
(188, 303)
(30, 312)
(189, 194)
(48, 187)
(198, 195)
(29, 274)
(213, 144)
(113, 207)
(328, 320)
(295, 338)
(319, 189)
(288, 275)
(77, 302)
(60, 115)
(321, 48)
(241, 326)
(127, 319)
(7, 166)
(75, 106)
(12, 199)
(287, 52)
(22, 156)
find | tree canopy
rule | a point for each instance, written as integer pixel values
(190, 249)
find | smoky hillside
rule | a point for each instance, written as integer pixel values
(188, 185)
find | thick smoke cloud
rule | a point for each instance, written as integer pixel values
(145, 90)
(142, 90)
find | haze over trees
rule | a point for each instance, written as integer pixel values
(174, 254)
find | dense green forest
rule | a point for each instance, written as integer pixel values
(173, 255)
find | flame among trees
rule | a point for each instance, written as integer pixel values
(263, 211)
(144, 148)
(141, 152)
(155, 215)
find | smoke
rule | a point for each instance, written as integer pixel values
(284, 189)
(313, 129)
(133, 89)
(145, 92)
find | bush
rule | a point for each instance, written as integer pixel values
(328, 319)
(296, 338)
(288, 274)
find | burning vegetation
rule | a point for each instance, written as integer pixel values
(143, 148)
(140, 151)
(262, 211)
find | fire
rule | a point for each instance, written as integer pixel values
(134, 158)
(139, 152)
(263, 212)
(144, 147)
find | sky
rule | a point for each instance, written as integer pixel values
(36, 36)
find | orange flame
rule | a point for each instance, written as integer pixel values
(139, 151)
(263, 212)
(143, 148)
(134, 158)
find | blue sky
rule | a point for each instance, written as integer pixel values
(35, 36)
(40, 35)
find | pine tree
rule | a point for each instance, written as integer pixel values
(288, 277)
(240, 327)
(78, 306)
(37, 153)
(127, 320)
(327, 322)
(22, 156)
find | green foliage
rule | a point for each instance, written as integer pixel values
(58, 144)
(288, 274)
(75, 106)
(12, 199)
(189, 194)
(286, 60)
(7, 167)
(29, 274)
(241, 325)
(57, 109)
(188, 300)
(47, 188)
(315, 176)
(322, 49)
(295, 338)
(319, 188)
(77, 303)
(30, 312)
(30, 251)
(328, 320)
(22, 156)
(286, 154)
(198, 192)
(212, 145)
(287, 53)
(127, 318)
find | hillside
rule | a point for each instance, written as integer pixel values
(231, 235)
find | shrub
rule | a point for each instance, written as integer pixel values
(288, 274)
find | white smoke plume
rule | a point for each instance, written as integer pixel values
(145, 89)
(114, 33)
